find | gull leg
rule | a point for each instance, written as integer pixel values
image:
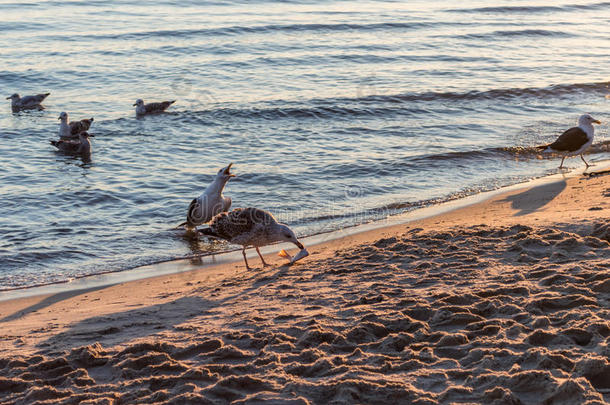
(561, 165)
(243, 252)
(261, 256)
(583, 159)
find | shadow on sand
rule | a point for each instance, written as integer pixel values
(119, 327)
(531, 200)
(48, 301)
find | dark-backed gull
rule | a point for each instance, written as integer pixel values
(72, 129)
(26, 102)
(151, 108)
(575, 140)
(211, 202)
(80, 147)
(250, 227)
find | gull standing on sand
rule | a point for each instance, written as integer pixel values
(80, 147)
(250, 227)
(574, 141)
(26, 102)
(211, 202)
(151, 108)
(72, 129)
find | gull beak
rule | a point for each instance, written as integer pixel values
(597, 122)
(91, 136)
(227, 170)
(8, 98)
(299, 245)
(58, 118)
(135, 104)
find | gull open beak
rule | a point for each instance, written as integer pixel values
(58, 118)
(597, 122)
(227, 170)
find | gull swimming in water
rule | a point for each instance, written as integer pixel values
(72, 129)
(18, 103)
(250, 227)
(211, 202)
(80, 147)
(151, 108)
(574, 141)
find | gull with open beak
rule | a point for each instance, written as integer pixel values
(211, 202)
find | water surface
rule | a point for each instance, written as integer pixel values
(333, 112)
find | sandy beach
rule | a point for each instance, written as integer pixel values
(503, 302)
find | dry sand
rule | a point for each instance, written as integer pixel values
(502, 302)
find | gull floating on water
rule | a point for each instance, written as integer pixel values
(211, 202)
(80, 147)
(250, 227)
(72, 129)
(151, 108)
(574, 141)
(26, 102)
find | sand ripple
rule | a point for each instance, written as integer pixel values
(494, 315)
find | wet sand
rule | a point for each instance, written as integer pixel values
(502, 302)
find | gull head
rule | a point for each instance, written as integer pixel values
(285, 234)
(586, 119)
(13, 97)
(225, 173)
(63, 116)
(139, 102)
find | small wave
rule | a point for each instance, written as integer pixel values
(594, 6)
(314, 112)
(508, 93)
(385, 105)
(242, 30)
(507, 9)
(531, 9)
(516, 33)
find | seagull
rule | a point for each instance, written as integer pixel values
(18, 103)
(250, 227)
(81, 147)
(575, 140)
(72, 129)
(211, 202)
(151, 108)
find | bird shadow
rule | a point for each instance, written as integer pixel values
(533, 199)
(119, 327)
(48, 301)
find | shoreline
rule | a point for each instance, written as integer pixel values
(502, 301)
(202, 262)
